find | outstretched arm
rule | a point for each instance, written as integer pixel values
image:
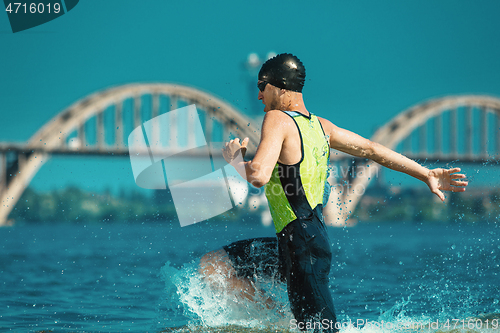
(437, 180)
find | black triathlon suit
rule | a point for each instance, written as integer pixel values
(300, 256)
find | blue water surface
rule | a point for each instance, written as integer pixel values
(141, 277)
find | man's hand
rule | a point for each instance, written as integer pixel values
(445, 180)
(233, 147)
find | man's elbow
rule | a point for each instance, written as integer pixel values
(259, 182)
(370, 151)
(257, 175)
(376, 152)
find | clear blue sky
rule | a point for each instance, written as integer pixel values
(366, 60)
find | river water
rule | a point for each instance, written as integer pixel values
(142, 277)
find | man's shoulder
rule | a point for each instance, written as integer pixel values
(277, 121)
(273, 116)
(275, 113)
(325, 123)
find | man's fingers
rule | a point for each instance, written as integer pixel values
(439, 194)
(243, 151)
(454, 170)
(244, 143)
(458, 189)
(458, 183)
(457, 175)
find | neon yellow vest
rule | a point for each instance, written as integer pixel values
(294, 191)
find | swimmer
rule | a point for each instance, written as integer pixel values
(292, 162)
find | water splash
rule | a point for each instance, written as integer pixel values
(202, 304)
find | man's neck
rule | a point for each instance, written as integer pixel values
(294, 104)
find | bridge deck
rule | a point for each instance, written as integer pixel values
(199, 152)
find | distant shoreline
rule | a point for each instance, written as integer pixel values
(379, 204)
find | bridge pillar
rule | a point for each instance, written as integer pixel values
(347, 189)
(13, 189)
(3, 172)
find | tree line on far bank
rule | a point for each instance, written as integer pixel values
(379, 204)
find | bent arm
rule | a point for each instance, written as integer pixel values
(259, 170)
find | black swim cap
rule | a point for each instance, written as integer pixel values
(284, 71)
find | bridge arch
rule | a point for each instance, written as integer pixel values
(54, 135)
(57, 135)
(472, 119)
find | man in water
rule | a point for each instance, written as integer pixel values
(292, 162)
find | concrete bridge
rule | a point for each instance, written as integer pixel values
(461, 129)
(464, 128)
